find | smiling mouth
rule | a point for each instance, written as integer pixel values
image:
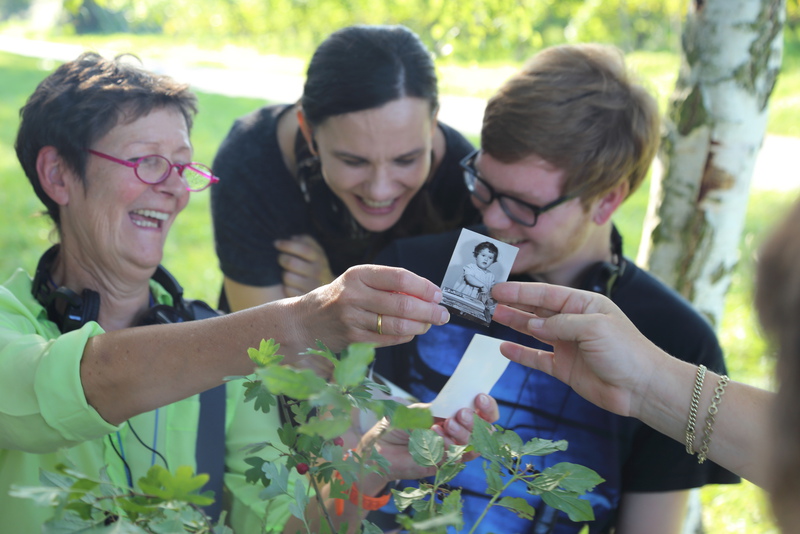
(148, 218)
(509, 240)
(376, 206)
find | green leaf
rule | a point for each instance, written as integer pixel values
(452, 506)
(288, 434)
(255, 390)
(437, 523)
(448, 472)
(139, 506)
(568, 476)
(182, 486)
(298, 507)
(370, 528)
(456, 452)
(57, 480)
(338, 489)
(378, 461)
(404, 499)
(266, 354)
(482, 439)
(323, 351)
(168, 526)
(41, 496)
(577, 478)
(510, 441)
(405, 418)
(332, 400)
(81, 487)
(381, 407)
(406, 522)
(352, 367)
(255, 474)
(326, 428)
(519, 506)
(279, 480)
(577, 509)
(82, 508)
(308, 443)
(493, 479)
(426, 447)
(542, 447)
(295, 383)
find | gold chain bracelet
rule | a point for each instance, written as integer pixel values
(698, 388)
(712, 412)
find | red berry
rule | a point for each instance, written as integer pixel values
(338, 441)
(302, 468)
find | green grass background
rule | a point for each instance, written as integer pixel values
(190, 254)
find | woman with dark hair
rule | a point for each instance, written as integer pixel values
(312, 188)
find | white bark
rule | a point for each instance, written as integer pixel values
(716, 125)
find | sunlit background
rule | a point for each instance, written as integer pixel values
(239, 55)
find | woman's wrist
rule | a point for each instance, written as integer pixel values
(289, 316)
(664, 404)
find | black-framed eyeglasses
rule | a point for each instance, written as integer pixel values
(154, 169)
(517, 210)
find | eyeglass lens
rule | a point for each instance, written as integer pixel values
(512, 207)
(195, 178)
(153, 169)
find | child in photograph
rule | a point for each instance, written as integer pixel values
(478, 280)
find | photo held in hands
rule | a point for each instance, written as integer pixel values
(478, 262)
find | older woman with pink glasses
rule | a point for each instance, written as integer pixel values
(106, 147)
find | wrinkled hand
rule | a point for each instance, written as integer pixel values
(304, 263)
(393, 444)
(346, 310)
(596, 349)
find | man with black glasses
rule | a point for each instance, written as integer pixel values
(564, 143)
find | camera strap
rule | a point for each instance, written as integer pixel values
(80, 309)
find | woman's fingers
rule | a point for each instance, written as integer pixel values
(408, 304)
(304, 263)
(401, 281)
(545, 299)
(374, 304)
(303, 247)
(457, 430)
(540, 360)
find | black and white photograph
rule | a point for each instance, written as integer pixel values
(478, 263)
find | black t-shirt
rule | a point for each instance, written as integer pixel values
(257, 201)
(628, 454)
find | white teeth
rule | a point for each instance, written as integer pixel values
(145, 224)
(510, 241)
(376, 204)
(161, 216)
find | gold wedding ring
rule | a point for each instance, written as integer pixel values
(380, 324)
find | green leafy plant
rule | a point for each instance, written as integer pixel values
(167, 503)
(311, 442)
(317, 413)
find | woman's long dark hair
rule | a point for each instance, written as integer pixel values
(365, 67)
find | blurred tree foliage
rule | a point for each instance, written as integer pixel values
(481, 30)
(476, 30)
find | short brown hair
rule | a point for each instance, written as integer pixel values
(576, 107)
(81, 102)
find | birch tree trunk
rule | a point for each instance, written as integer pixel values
(714, 130)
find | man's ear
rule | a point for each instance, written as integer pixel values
(607, 204)
(52, 173)
(305, 128)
